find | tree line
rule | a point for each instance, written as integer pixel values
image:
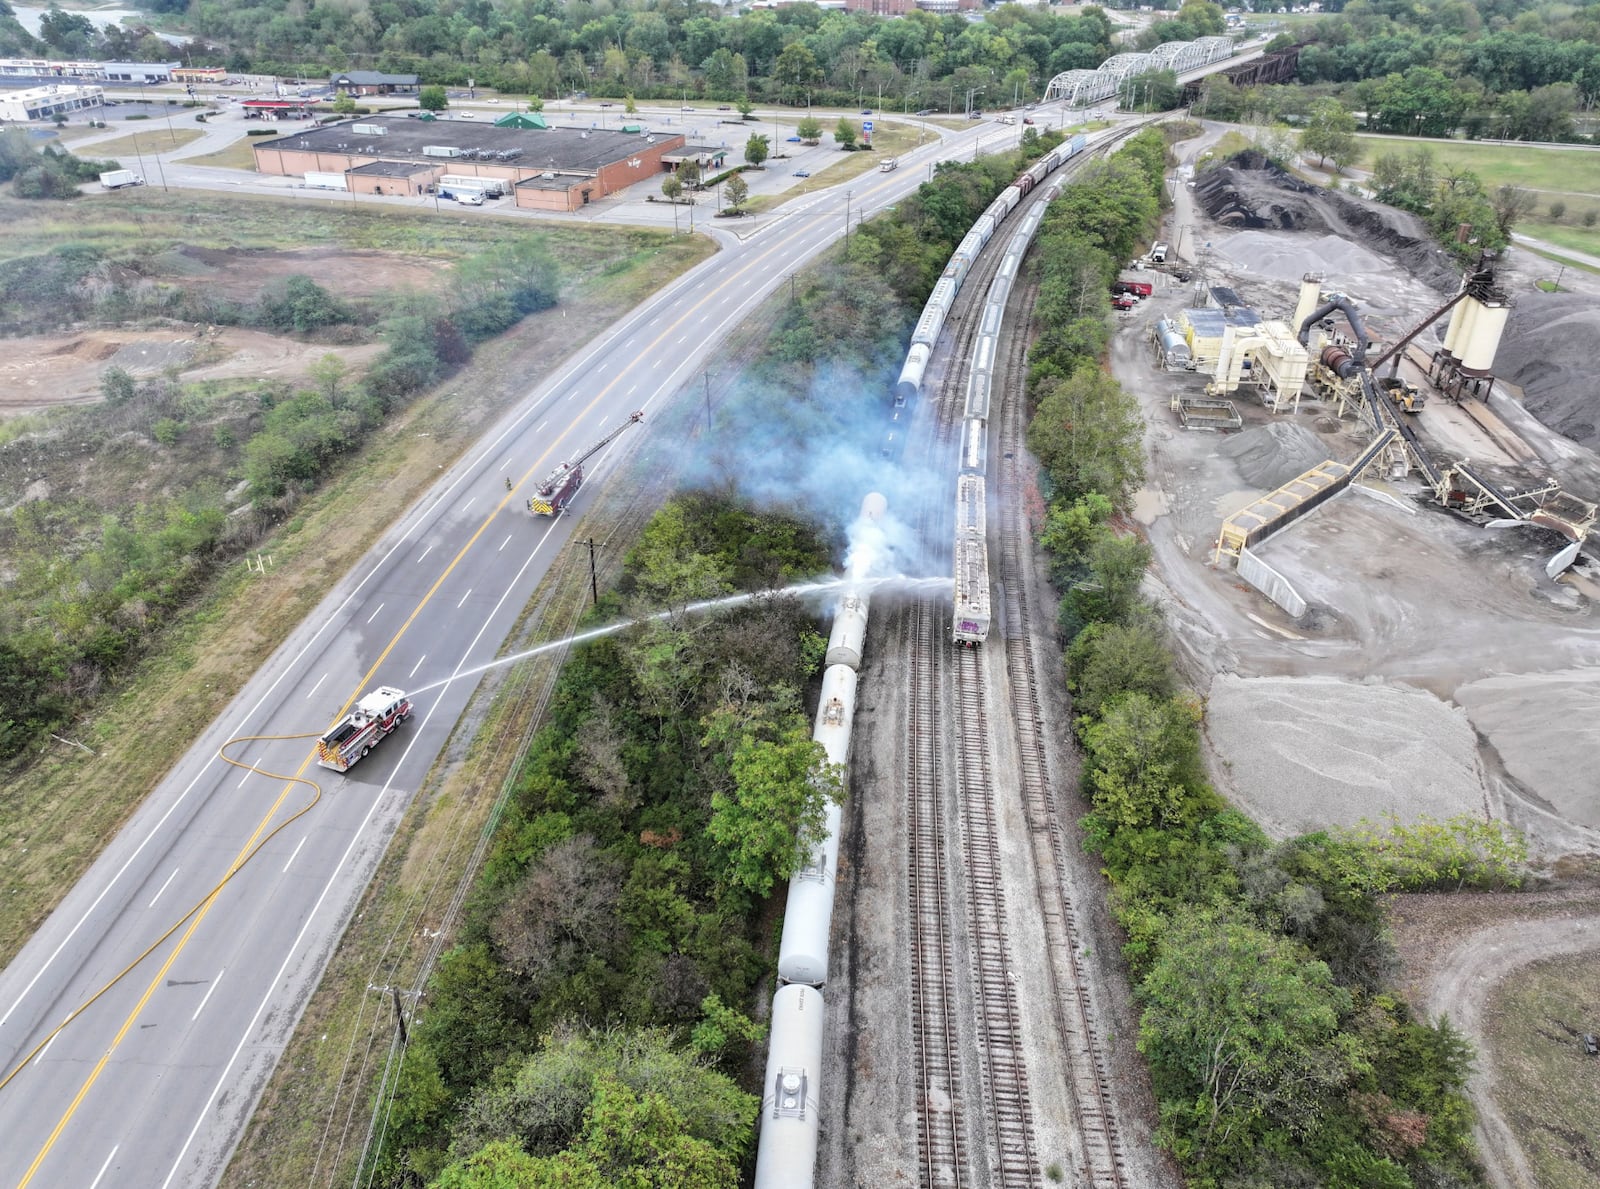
(649, 48)
(1279, 1050)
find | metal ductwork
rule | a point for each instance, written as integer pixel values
(1338, 301)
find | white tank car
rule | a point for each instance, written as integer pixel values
(849, 633)
(808, 912)
(910, 383)
(791, 1092)
(836, 708)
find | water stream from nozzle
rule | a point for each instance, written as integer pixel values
(899, 583)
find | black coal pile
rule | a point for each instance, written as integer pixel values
(1548, 351)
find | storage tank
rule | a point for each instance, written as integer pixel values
(1174, 348)
(786, 1157)
(1459, 318)
(1310, 299)
(1488, 324)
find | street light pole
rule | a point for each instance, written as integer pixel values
(847, 194)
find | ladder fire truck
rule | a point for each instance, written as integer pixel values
(371, 722)
(556, 492)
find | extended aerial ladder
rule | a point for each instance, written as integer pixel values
(555, 493)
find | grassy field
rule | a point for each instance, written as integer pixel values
(155, 139)
(238, 155)
(1548, 1089)
(1568, 176)
(56, 815)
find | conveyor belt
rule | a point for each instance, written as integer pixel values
(1384, 413)
(1497, 496)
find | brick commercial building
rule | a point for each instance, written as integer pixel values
(558, 169)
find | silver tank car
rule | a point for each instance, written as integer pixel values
(791, 1092)
(808, 913)
(848, 635)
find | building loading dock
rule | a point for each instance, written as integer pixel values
(559, 169)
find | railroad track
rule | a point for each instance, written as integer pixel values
(1103, 1160)
(1009, 1120)
(935, 1030)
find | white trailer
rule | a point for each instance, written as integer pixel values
(467, 194)
(491, 187)
(326, 181)
(116, 179)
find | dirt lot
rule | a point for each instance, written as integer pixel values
(1437, 671)
(41, 371)
(241, 273)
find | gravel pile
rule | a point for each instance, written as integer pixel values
(1288, 258)
(1268, 456)
(1251, 192)
(1546, 729)
(1548, 351)
(1303, 753)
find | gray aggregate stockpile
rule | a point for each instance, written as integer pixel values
(1546, 729)
(1250, 192)
(1288, 258)
(1268, 456)
(1302, 753)
(1549, 351)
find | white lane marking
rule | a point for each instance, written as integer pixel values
(374, 615)
(464, 598)
(157, 896)
(297, 847)
(46, 1048)
(248, 773)
(504, 543)
(541, 425)
(207, 998)
(425, 553)
(632, 390)
(682, 338)
(469, 503)
(317, 686)
(656, 366)
(416, 666)
(94, 1184)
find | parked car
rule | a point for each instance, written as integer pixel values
(1027, 119)
(802, 173)
(794, 140)
(1591, 1044)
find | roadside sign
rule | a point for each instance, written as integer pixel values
(866, 125)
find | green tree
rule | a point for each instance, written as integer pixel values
(1087, 432)
(1111, 659)
(756, 149)
(744, 107)
(738, 191)
(689, 174)
(672, 187)
(1239, 1027)
(535, 103)
(116, 385)
(344, 104)
(1511, 205)
(1330, 131)
(629, 106)
(772, 818)
(796, 71)
(432, 98)
(809, 129)
(1143, 761)
(844, 134)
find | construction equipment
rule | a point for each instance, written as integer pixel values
(1408, 398)
(556, 492)
(372, 721)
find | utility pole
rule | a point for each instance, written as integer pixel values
(400, 1017)
(594, 584)
(708, 400)
(847, 214)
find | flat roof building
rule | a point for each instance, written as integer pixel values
(568, 167)
(374, 82)
(46, 103)
(138, 72)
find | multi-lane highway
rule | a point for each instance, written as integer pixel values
(152, 1083)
